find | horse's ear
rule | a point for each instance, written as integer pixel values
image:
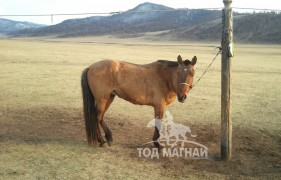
(180, 61)
(194, 60)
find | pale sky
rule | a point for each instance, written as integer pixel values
(9, 7)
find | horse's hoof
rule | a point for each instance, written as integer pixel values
(108, 138)
(109, 143)
(104, 145)
(159, 147)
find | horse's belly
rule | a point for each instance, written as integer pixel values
(140, 98)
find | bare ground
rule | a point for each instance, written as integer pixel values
(255, 154)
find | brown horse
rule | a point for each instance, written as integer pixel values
(156, 84)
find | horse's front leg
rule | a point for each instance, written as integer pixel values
(159, 112)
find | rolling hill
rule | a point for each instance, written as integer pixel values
(254, 28)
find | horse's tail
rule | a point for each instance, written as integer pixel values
(90, 111)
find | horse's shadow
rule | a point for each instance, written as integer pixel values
(65, 125)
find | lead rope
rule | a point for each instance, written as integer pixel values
(208, 66)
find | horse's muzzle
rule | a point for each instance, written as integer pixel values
(182, 98)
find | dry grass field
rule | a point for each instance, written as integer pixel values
(41, 122)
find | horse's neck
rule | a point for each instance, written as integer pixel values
(169, 75)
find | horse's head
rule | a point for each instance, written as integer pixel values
(185, 75)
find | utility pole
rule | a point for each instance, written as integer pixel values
(227, 54)
(52, 19)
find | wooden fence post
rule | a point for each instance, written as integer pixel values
(226, 44)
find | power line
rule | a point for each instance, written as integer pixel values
(66, 14)
(145, 11)
(106, 13)
(257, 9)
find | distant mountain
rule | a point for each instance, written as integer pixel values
(174, 24)
(146, 17)
(8, 26)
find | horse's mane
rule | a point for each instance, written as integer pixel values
(173, 63)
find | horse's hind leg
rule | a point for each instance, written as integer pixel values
(100, 137)
(108, 134)
(102, 106)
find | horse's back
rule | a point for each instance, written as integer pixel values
(115, 66)
(101, 66)
(129, 81)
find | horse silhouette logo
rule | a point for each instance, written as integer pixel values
(170, 133)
